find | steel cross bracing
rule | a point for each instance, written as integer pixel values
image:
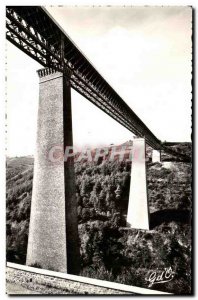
(33, 31)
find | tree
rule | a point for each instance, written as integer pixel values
(97, 187)
(118, 192)
(85, 214)
(86, 186)
(102, 200)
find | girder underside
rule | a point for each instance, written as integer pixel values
(32, 30)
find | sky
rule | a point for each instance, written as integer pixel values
(143, 52)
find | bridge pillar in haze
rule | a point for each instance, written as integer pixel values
(53, 232)
(138, 209)
(156, 156)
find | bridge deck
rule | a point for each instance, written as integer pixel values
(34, 31)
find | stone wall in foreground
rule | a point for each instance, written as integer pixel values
(40, 281)
(44, 284)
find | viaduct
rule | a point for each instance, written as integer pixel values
(53, 233)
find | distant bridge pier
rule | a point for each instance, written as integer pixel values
(156, 155)
(138, 209)
(53, 232)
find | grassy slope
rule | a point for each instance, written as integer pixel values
(108, 249)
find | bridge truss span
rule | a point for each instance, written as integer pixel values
(33, 30)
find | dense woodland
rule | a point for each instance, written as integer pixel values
(109, 249)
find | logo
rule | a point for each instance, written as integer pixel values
(158, 276)
(57, 154)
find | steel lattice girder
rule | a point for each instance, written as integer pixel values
(33, 31)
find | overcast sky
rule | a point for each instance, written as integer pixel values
(145, 55)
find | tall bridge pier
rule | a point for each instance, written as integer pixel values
(138, 208)
(53, 233)
(156, 155)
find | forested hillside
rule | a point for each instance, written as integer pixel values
(110, 250)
